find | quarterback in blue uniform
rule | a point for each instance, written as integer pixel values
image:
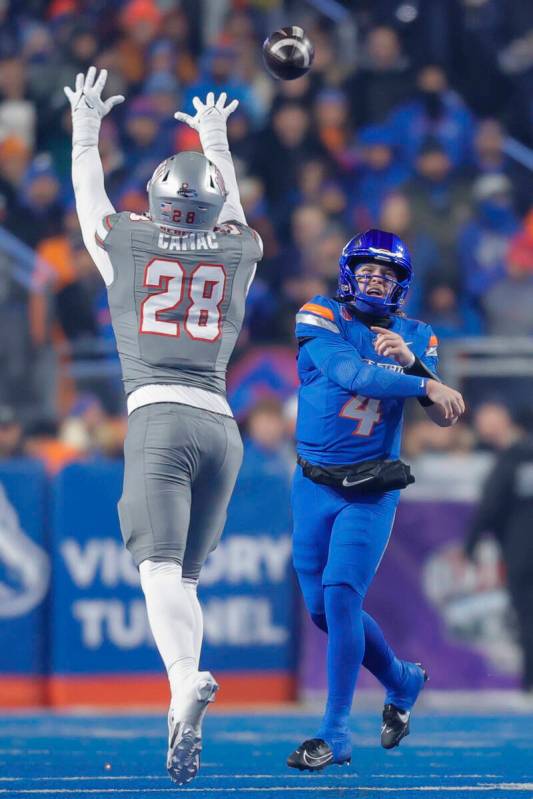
(359, 359)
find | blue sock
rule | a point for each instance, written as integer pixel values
(346, 646)
(379, 658)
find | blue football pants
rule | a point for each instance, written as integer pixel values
(338, 542)
(339, 537)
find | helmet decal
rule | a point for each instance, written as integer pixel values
(217, 181)
(185, 191)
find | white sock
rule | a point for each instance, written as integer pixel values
(171, 620)
(191, 589)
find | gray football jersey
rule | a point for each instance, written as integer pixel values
(177, 301)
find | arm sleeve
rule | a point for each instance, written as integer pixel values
(341, 363)
(420, 369)
(92, 202)
(214, 139)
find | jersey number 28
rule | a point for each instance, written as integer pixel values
(367, 412)
(207, 284)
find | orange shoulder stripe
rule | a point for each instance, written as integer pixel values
(433, 341)
(320, 310)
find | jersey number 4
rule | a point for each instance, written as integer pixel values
(366, 410)
(207, 284)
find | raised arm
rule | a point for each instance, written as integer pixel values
(92, 202)
(210, 122)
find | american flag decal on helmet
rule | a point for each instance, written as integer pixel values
(165, 208)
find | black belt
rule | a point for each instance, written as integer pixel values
(362, 478)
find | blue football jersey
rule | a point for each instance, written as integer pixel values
(337, 425)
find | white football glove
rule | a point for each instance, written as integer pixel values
(208, 113)
(210, 119)
(88, 108)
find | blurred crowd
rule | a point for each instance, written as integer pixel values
(417, 117)
(448, 462)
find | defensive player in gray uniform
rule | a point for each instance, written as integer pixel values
(177, 280)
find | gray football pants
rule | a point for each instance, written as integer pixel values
(181, 464)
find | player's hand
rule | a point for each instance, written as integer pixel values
(208, 113)
(86, 100)
(450, 401)
(392, 345)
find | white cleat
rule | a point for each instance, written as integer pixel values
(185, 728)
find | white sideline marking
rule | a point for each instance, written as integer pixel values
(503, 786)
(87, 778)
(164, 778)
(438, 776)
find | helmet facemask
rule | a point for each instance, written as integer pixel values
(366, 295)
(381, 248)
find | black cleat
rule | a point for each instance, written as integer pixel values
(395, 720)
(395, 726)
(312, 755)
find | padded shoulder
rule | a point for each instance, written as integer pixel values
(427, 342)
(233, 227)
(322, 306)
(416, 327)
(111, 222)
(318, 316)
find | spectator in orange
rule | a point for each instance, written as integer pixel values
(14, 160)
(140, 22)
(43, 443)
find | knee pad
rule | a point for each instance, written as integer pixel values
(355, 576)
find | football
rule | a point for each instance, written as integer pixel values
(288, 53)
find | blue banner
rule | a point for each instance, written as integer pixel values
(246, 587)
(24, 567)
(100, 623)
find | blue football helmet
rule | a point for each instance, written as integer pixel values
(376, 247)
